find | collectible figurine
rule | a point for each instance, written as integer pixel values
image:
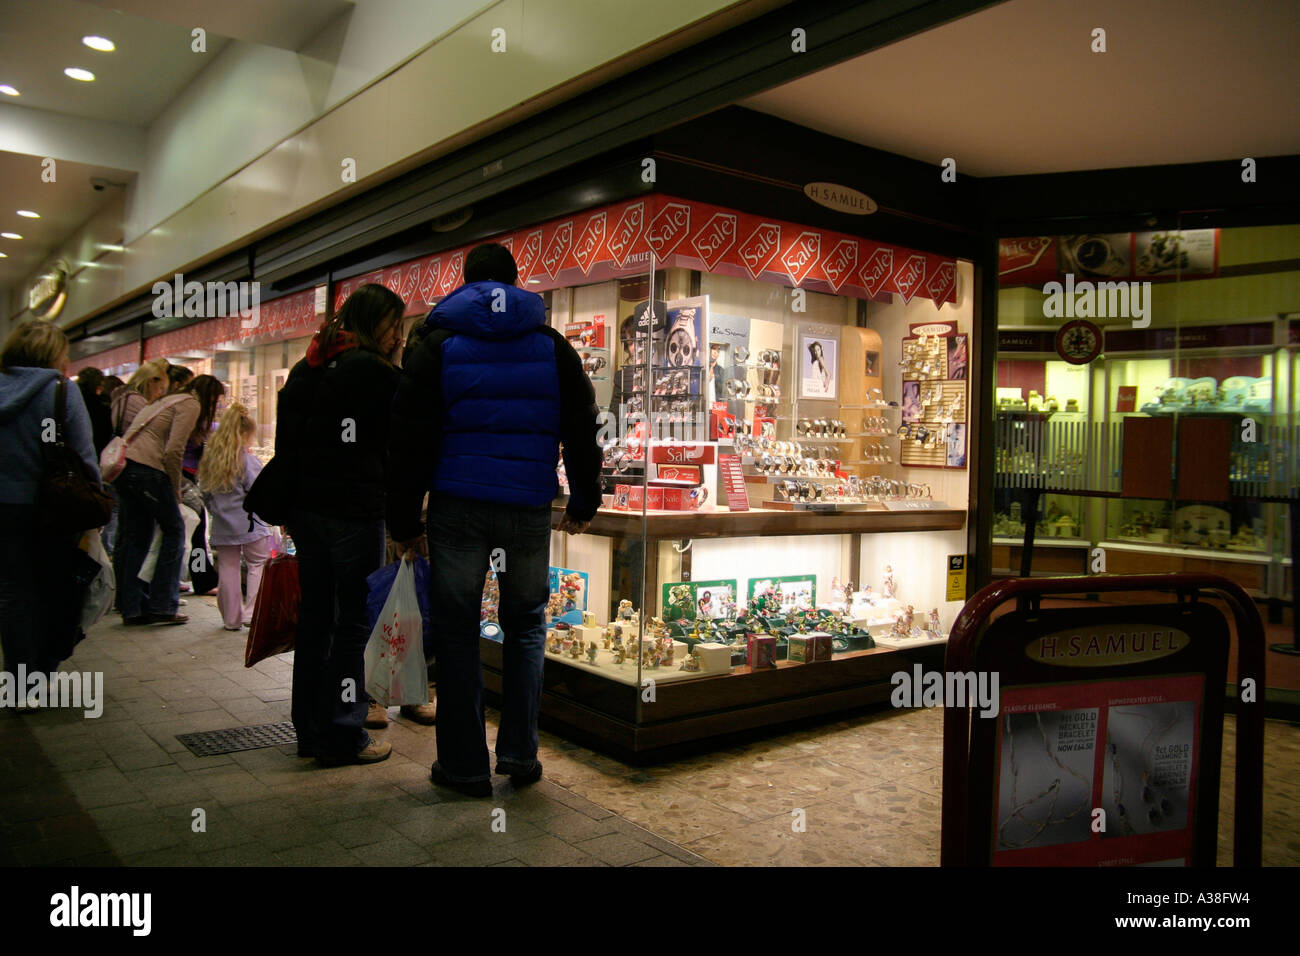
(625, 611)
(591, 653)
(668, 653)
(934, 627)
(890, 585)
(620, 655)
(575, 649)
(691, 663)
(608, 633)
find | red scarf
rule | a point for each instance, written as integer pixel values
(343, 340)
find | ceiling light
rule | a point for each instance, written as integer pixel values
(9, 235)
(8, 90)
(102, 44)
(4, 255)
(79, 74)
(28, 214)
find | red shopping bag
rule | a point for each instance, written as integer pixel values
(275, 615)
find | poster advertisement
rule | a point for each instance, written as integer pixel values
(683, 336)
(1126, 747)
(793, 591)
(697, 600)
(1095, 256)
(1176, 252)
(958, 357)
(956, 446)
(818, 369)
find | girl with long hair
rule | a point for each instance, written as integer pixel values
(226, 472)
(332, 429)
(146, 385)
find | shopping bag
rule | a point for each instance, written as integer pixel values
(381, 583)
(100, 591)
(396, 672)
(275, 613)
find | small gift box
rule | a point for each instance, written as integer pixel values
(761, 651)
(714, 658)
(801, 649)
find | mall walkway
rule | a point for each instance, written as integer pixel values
(122, 789)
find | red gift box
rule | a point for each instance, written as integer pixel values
(760, 651)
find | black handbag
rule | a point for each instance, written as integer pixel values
(71, 498)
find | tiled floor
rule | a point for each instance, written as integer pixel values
(122, 789)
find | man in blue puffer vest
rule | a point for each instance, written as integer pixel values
(485, 404)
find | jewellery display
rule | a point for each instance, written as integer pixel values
(1017, 812)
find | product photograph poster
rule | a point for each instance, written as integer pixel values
(794, 591)
(957, 357)
(1148, 767)
(1045, 778)
(697, 600)
(568, 595)
(956, 446)
(817, 364)
(911, 401)
(683, 339)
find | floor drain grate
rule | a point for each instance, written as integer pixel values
(210, 743)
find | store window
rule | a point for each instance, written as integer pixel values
(787, 453)
(1202, 340)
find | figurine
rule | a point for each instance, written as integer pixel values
(591, 653)
(620, 655)
(625, 611)
(934, 627)
(575, 649)
(890, 585)
(608, 634)
(691, 663)
(668, 653)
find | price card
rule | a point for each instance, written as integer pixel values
(732, 479)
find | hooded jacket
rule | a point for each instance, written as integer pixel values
(26, 401)
(482, 409)
(332, 427)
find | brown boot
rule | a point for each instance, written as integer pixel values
(426, 714)
(376, 717)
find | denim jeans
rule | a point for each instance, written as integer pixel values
(462, 536)
(145, 497)
(40, 608)
(335, 556)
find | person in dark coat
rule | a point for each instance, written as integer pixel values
(332, 426)
(482, 409)
(91, 382)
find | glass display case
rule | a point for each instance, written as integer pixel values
(773, 541)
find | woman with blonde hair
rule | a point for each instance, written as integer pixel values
(146, 385)
(226, 472)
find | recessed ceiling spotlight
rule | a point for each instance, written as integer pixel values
(9, 235)
(102, 44)
(79, 74)
(4, 255)
(8, 90)
(28, 214)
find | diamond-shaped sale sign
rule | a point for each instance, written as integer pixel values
(907, 280)
(451, 275)
(760, 247)
(839, 265)
(716, 238)
(942, 282)
(630, 226)
(429, 279)
(668, 228)
(876, 272)
(558, 248)
(589, 243)
(802, 256)
(529, 255)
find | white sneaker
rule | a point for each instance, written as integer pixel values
(237, 627)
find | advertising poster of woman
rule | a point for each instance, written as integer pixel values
(818, 367)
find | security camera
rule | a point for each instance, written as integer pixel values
(99, 184)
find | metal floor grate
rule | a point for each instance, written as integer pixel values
(213, 742)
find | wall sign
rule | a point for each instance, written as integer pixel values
(840, 198)
(1078, 341)
(49, 293)
(619, 240)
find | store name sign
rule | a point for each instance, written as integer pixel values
(49, 293)
(840, 198)
(1107, 645)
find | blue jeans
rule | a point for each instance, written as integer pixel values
(335, 556)
(462, 535)
(145, 497)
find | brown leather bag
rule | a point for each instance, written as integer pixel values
(71, 498)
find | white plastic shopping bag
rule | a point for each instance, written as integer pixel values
(396, 672)
(99, 595)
